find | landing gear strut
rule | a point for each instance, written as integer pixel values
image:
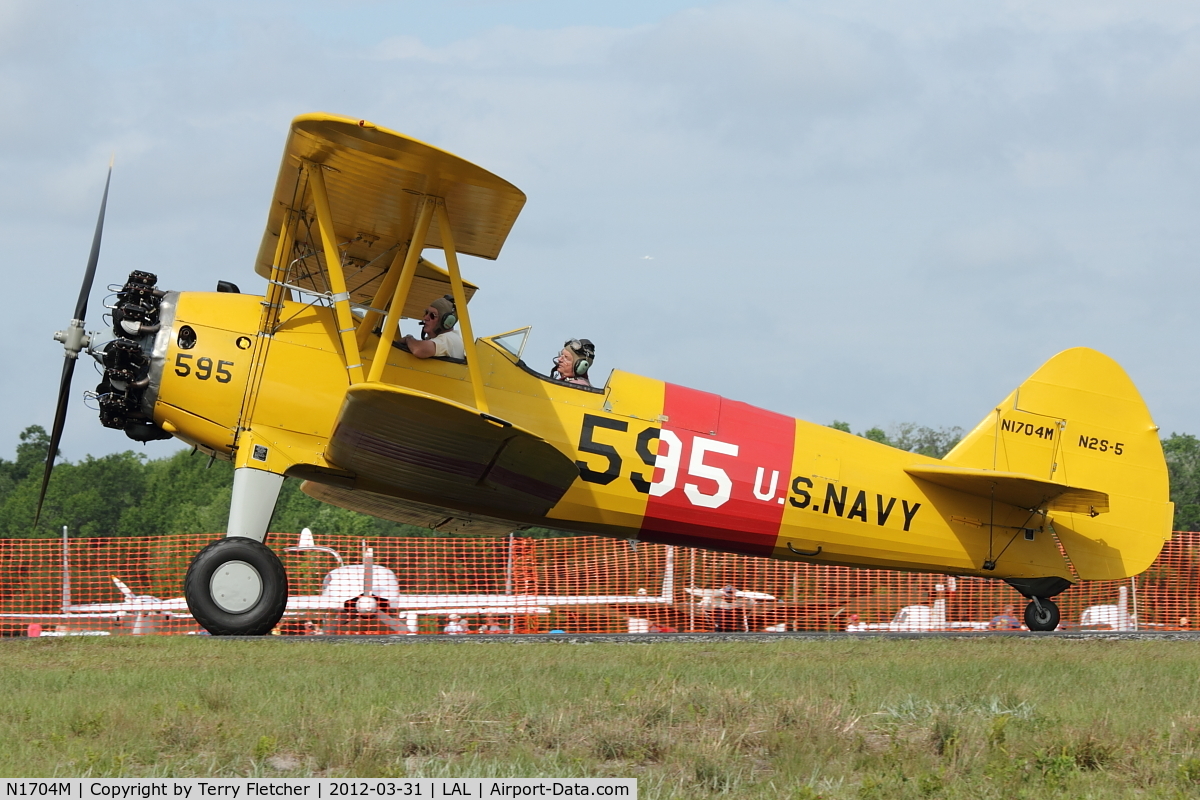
(1041, 614)
(236, 587)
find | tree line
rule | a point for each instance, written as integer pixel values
(127, 494)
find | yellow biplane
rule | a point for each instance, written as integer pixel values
(1064, 480)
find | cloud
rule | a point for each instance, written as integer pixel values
(998, 249)
(508, 48)
(846, 201)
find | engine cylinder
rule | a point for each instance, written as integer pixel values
(136, 310)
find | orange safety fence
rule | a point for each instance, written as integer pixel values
(573, 585)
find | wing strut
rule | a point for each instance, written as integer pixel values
(386, 287)
(460, 302)
(277, 293)
(337, 280)
(403, 283)
(392, 321)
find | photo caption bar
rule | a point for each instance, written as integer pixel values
(318, 788)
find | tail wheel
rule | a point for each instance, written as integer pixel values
(236, 587)
(1041, 615)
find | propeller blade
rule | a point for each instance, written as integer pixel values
(89, 274)
(74, 339)
(393, 623)
(60, 419)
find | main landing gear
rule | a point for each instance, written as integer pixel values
(1041, 614)
(237, 586)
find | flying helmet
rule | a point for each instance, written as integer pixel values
(585, 354)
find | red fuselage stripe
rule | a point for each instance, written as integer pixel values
(740, 513)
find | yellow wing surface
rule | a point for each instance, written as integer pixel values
(447, 452)
(376, 179)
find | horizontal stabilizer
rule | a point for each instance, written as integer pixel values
(1014, 488)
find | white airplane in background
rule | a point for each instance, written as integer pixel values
(366, 590)
(709, 598)
(922, 618)
(1111, 617)
(369, 590)
(734, 602)
(144, 621)
(933, 618)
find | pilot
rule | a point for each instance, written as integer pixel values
(438, 336)
(572, 363)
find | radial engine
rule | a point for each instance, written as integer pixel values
(128, 391)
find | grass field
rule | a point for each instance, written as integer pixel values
(991, 717)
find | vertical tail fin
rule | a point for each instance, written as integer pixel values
(126, 593)
(306, 539)
(1079, 420)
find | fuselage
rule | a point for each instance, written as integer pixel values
(657, 461)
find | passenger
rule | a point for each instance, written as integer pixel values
(438, 336)
(573, 362)
(455, 626)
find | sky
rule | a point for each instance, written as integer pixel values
(872, 212)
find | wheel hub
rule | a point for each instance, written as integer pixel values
(236, 587)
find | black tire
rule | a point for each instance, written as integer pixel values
(248, 615)
(1043, 619)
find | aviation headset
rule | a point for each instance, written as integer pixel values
(447, 313)
(451, 319)
(585, 352)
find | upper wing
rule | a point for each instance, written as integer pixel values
(376, 179)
